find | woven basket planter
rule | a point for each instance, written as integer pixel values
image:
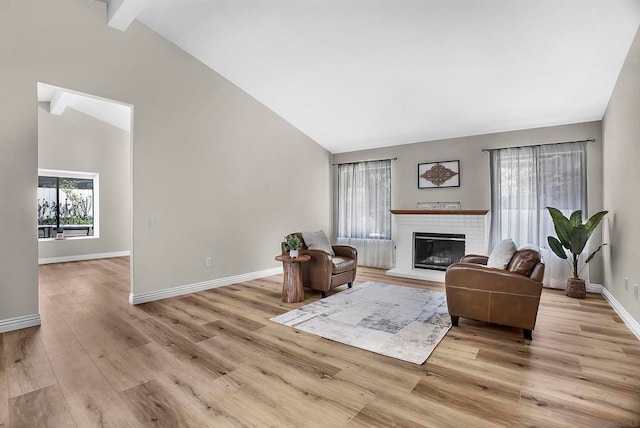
(576, 288)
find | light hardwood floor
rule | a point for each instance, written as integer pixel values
(214, 359)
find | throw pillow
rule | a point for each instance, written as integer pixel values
(525, 260)
(317, 241)
(502, 254)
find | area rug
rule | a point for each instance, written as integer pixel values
(399, 322)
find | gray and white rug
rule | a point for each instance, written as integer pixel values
(399, 322)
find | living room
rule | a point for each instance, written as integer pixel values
(252, 177)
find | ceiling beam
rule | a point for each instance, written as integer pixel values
(59, 102)
(121, 13)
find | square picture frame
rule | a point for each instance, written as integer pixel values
(439, 175)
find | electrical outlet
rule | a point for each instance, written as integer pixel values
(208, 262)
(626, 283)
(635, 291)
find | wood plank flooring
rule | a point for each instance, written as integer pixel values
(213, 359)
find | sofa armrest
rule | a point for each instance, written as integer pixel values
(474, 258)
(345, 251)
(478, 277)
(319, 259)
(538, 272)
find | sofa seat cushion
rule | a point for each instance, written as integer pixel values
(342, 264)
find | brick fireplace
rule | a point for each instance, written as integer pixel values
(473, 224)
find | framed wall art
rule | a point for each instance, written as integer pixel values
(436, 175)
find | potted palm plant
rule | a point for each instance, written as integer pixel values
(292, 243)
(573, 235)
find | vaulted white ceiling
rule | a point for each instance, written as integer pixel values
(107, 111)
(356, 74)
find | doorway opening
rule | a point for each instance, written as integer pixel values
(84, 178)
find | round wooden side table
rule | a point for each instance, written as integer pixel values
(292, 290)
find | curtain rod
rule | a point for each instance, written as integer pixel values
(592, 140)
(370, 160)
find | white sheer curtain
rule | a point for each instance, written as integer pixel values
(364, 220)
(526, 180)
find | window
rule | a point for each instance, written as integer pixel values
(364, 200)
(67, 200)
(526, 180)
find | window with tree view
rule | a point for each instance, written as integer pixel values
(65, 203)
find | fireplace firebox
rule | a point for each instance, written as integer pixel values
(437, 250)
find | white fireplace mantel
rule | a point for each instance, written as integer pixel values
(474, 224)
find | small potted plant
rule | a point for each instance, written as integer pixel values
(59, 233)
(292, 243)
(573, 235)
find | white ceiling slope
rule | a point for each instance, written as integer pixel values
(368, 73)
(107, 111)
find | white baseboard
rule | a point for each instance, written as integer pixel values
(201, 286)
(633, 325)
(594, 288)
(19, 322)
(83, 257)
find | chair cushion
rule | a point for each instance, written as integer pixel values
(524, 261)
(317, 241)
(342, 264)
(502, 254)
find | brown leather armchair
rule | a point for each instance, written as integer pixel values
(502, 296)
(324, 271)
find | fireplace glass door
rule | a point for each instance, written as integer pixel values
(437, 250)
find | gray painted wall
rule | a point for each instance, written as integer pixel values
(240, 176)
(621, 153)
(475, 184)
(74, 141)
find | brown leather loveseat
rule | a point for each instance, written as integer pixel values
(508, 296)
(324, 271)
